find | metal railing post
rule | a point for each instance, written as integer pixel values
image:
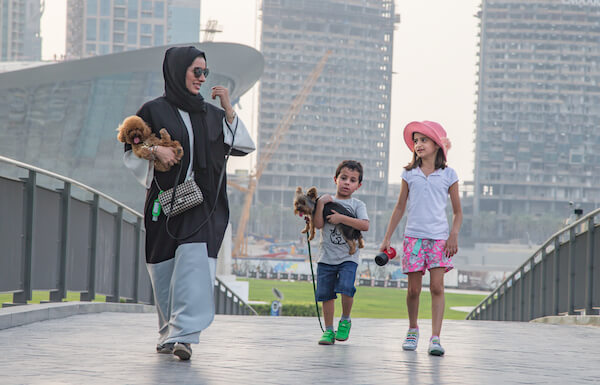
(522, 295)
(531, 290)
(136, 258)
(556, 272)
(589, 267)
(571, 273)
(229, 308)
(91, 292)
(216, 297)
(513, 307)
(222, 299)
(504, 307)
(61, 292)
(117, 257)
(24, 295)
(543, 283)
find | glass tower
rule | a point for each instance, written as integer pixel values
(20, 30)
(347, 114)
(98, 27)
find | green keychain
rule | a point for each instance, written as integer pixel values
(156, 209)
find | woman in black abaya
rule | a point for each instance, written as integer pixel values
(182, 271)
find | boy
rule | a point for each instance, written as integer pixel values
(336, 269)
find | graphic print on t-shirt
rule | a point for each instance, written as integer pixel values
(336, 236)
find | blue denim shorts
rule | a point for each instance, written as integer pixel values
(332, 279)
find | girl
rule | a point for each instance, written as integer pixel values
(428, 245)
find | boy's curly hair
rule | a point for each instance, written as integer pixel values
(350, 165)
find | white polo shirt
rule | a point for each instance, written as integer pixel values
(426, 205)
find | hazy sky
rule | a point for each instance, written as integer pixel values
(435, 48)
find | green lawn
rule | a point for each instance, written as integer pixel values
(369, 302)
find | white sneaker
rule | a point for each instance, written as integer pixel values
(411, 340)
(435, 347)
(182, 350)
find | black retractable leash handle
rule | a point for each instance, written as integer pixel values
(313, 282)
(233, 132)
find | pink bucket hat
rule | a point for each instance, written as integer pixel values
(430, 129)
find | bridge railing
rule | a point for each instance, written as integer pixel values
(54, 241)
(562, 277)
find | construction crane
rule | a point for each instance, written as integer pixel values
(270, 149)
(211, 29)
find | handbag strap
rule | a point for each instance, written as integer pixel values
(218, 189)
(174, 188)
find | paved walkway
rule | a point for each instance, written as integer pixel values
(118, 348)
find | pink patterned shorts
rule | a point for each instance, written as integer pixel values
(424, 254)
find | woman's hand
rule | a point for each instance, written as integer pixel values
(451, 246)
(165, 155)
(223, 94)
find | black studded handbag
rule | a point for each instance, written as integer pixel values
(187, 195)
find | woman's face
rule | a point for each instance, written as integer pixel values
(193, 83)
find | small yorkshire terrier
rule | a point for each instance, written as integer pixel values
(305, 204)
(136, 132)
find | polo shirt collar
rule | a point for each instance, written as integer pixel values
(436, 172)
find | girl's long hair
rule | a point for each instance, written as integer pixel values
(440, 161)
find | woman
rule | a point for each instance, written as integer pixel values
(182, 264)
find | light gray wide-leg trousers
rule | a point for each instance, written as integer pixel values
(183, 291)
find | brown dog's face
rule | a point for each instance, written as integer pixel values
(305, 203)
(134, 130)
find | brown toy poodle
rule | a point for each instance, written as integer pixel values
(136, 132)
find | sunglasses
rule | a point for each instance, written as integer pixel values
(199, 72)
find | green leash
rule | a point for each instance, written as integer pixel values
(313, 282)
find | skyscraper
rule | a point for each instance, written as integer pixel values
(20, 30)
(97, 27)
(347, 114)
(183, 21)
(538, 112)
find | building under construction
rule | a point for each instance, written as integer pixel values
(538, 109)
(346, 115)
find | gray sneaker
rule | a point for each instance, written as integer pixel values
(411, 340)
(165, 348)
(182, 350)
(435, 347)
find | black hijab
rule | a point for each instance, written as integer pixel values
(177, 60)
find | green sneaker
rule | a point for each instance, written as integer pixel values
(328, 338)
(343, 331)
